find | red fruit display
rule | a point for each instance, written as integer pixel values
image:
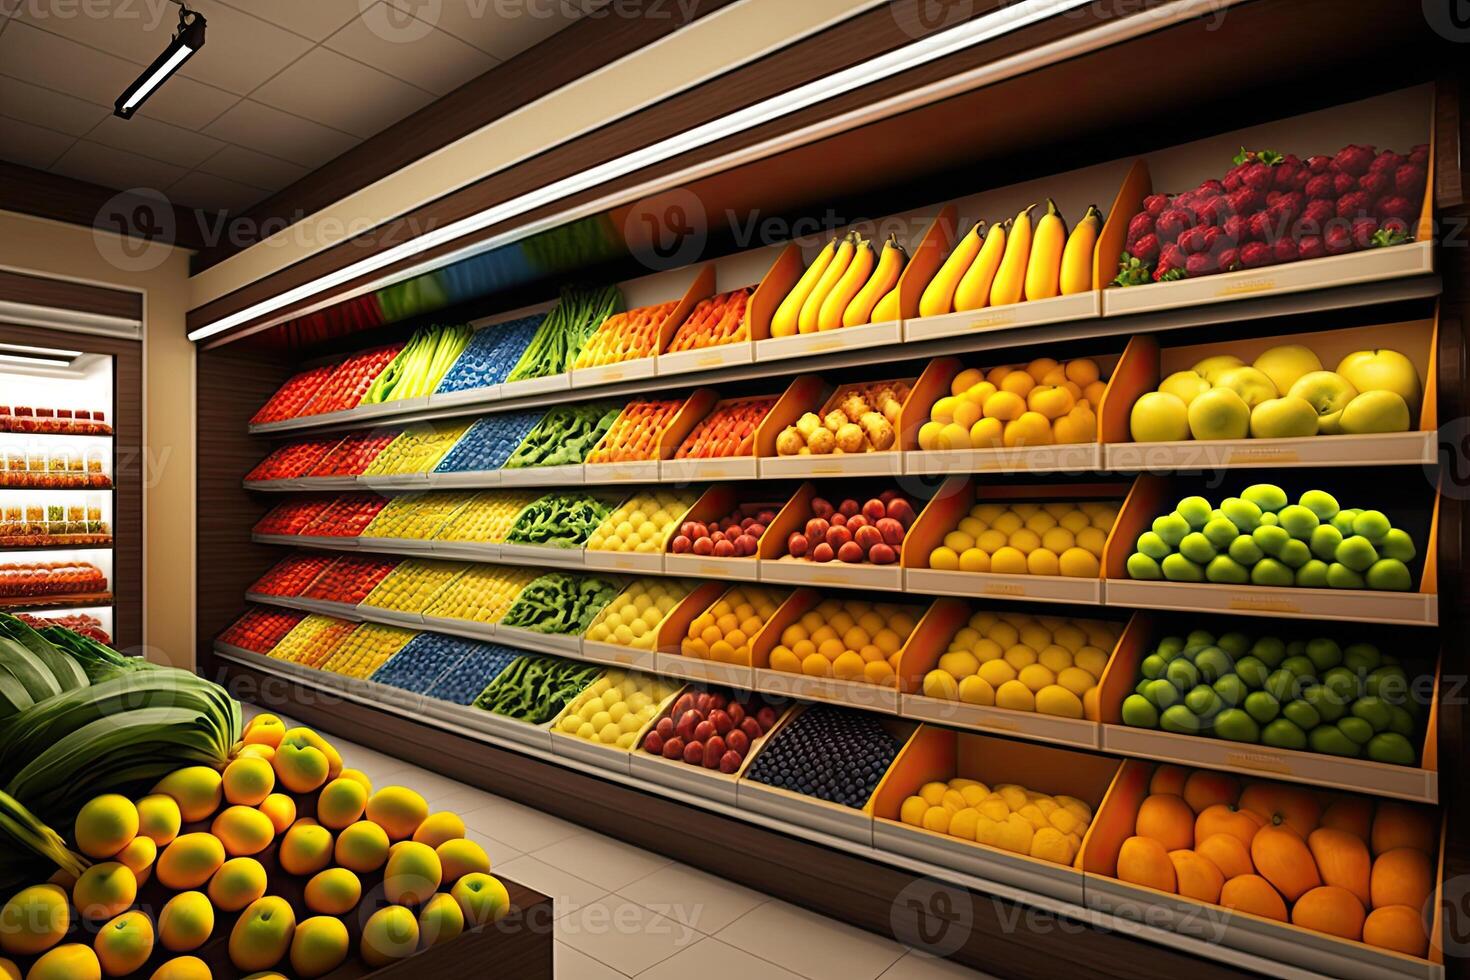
(49, 579)
(636, 432)
(54, 421)
(292, 397)
(737, 535)
(291, 575)
(354, 454)
(350, 579)
(260, 629)
(714, 321)
(293, 460)
(350, 380)
(292, 516)
(347, 516)
(81, 623)
(855, 533)
(712, 730)
(1271, 209)
(729, 430)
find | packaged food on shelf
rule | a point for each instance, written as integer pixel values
(636, 432)
(291, 575)
(54, 421)
(489, 442)
(312, 640)
(535, 689)
(486, 517)
(559, 520)
(829, 753)
(292, 516)
(849, 283)
(559, 602)
(727, 431)
(261, 628)
(422, 364)
(1272, 209)
(616, 709)
(30, 523)
(561, 336)
(714, 322)
(490, 355)
(1042, 403)
(462, 683)
(22, 580)
(353, 455)
(848, 639)
(413, 586)
(350, 579)
(426, 658)
(642, 523)
(416, 516)
(291, 398)
(481, 595)
(723, 632)
(625, 336)
(347, 516)
(418, 449)
(293, 460)
(633, 618)
(366, 649)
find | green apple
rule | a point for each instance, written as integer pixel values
(1372, 524)
(1213, 663)
(1285, 363)
(1253, 671)
(1171, 528)
(1383, 370)
(1294, 554)
(1357, 729)
(1195, 510)
(1298, 521)
(1261, 706)
(1177, 568)
(1373, 710)
(1312, 575)
(1185, 385)
(1197, 548)
(1329, 740)
(1179, 720)
(1282, 734)
(1270, 539)
(1267, 496)
(1270, 651)
(1199, 639)
(1269, 519)
(1210, 367)
(1321, 503)
(1343, 520)
(1139, 713)
(1144, 568)
(1328, 393)
(1159, 417)
(1162, 694)
(1244, 551)
(1154, 546)
(1300, 713)
(1251, 385)
(1152, 667)
(1283, 418)
(1237, 726)
(1170, 647)
(1339, 576)
(1219, 413)
(1357, 553)
(1244, 514)
(1324, 541)
(1362, 658)
(1324, 654)
(1391, 747)
(1376, 411)
(1220, 531)
(1269, 571)
(1342, 682)
(1235, 644)
(1203, 701)
(1389, 575)
(1394, 544)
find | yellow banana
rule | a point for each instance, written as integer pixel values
(973, 291)
(887, 308)
(1077, 256)
(806, 320)
(851, 283)
(1044, 267)
(1010, 278)
(883, 281)
(938, 297)
(783, 324)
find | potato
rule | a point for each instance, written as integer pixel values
(808, 424)
(789, 442)
(835, 420)
(878, 430)
(850, 438)
(822, 442)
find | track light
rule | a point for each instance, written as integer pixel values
(188, 40)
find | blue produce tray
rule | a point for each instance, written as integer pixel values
(489, 442)
(492, 354)
(463, 682)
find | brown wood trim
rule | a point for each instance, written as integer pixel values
(843, 45)
(1449, 123)
(60, 294)
(1004, 938)
(26, 190)
(130, 465)
(588, 44)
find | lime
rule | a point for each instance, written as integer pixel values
(1392, 748)
(1282, 734)
(1139, 712)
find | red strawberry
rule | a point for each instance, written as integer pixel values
(1193, 240)
(1215, 240)
(1212, 186)
(1229, 259)
(1255, 254)
(1258, 177)
(1171, 256)
(1146, 248)
(1337, 240)
(1354, 204)
(1213, 211)
(1232, 181)
(1319, 212)
(1201, 264)
(1141, 224)
(1284, 174)
(1322, 187)
(1374, 182)
(1395, 227)
(1310, 247)
(1237, 228)
(1385, 162)
(1318, 164)
(1408, 179)
(1285, 250)
(1419, 154)
(1287, 207)
(1261, 227)
(1244, 201)
(1396, 206)
(1353, 159)
(1155, 204)
(1172, 223)
(1299, 182)
(1363, 230)
(1343, 184)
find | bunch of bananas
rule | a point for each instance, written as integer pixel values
(847, 285)
(1011, 262)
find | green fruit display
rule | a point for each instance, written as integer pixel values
(1262, 538)
(1306, 694)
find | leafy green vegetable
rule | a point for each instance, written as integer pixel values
(559, 602)
(535, 689)
(562, 335)
(564, 436)
(560, 520)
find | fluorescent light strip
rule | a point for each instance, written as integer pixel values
(52, 351)
(28, 361)
(157, 78)
(921, 52)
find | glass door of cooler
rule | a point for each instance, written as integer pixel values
(57, 466)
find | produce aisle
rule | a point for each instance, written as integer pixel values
(1074, 558)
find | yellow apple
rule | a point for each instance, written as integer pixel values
(1328, 393)
(1211, 366)
(262, 934)
(1219, 413)
(1283, 418)
(1159, 417)
(1376, 411)
(1286, 363)
(1251, 385)
(1384, 370)
(1185, 385)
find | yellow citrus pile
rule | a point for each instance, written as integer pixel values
(416, 516)
(417, 450)
(642, 524)
(849, 640)
(312, 640)
(413, 585)
(1040, 404)
(1060, 538)
(1008, 816)
(366, 649)
(616, 708)
(481, 595)
(723, 631)
(487, 517)
(633, 618)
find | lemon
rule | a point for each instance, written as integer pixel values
(1076, 680)
(959, 663)
(1079, 563)
(1005, 634)
(974, 560)
(985, 650)
(913, 810)
(1069, 635)
(1036, 677)
(963, 824)
(976, 690)
(1008, 561)
(1024, 540)
(1015, 696)
(1057, 700)
(996, 672)
(937, 818)
(1020, 656)
(944, 559)
(991, 541)
(1054, 658)
(1092, 660)
(932, 793)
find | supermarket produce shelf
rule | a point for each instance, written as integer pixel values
(6, 544)
(91, 600)
(996, 879)
(1318, 769)
(1151, 315)
(1344, 605)
(1385, 449)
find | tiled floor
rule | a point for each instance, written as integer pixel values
(623, 912)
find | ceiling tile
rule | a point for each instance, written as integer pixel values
(31, 146)
(337, 91)
(503, 28)
(280, 134)
(424, 56)
(150, 138)
(201, 190)
(253, 169)
(316, 19)
(115, 168)
(44, 107)
(240, 51)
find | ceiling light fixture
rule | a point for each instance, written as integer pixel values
(22, 349)
(28, 360)
(188, 40)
